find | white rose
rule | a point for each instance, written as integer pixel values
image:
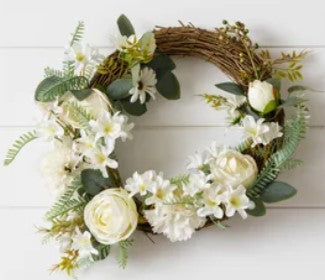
(96, 103)
(111, 216)
(261, 96)
(232, 168)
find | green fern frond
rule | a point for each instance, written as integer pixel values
(78, 33)
(68, 68)
(291, 164)
(48, 72)
(78, 114)
(180, 180)
(245, 145)
(18, 145)
(124, 252)
(66, 202)
(53, 87)
(294, 132)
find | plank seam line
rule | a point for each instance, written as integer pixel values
(307, 46)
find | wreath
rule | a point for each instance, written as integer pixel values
(85, 108)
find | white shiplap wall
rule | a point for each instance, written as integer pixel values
(287, 243)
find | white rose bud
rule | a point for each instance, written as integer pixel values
(111, 216)
(233, 168)
(261, 96)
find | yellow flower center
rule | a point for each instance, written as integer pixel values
(108, 128)
(235, 201)
(80, 56)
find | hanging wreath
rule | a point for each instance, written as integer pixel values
(85, 108)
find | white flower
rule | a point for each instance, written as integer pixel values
(48, 108)
(273, 132)
(198, 160)
(49, 129)
(233, 103)
(177, 222)
(82, 55)
(144, 82)
(236, 201)
(82, 243)
(254, 129)
(106, 126)
(99, 158)
(230, 167)
(86, 142)
(140, 183)
(259, 131)
(161, 190)
(196, 183)
(123, 43)
(111, 216)
(126, 127)
(211, 199)
(60, 165)
(261, 96)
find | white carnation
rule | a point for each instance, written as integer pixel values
(177, 222)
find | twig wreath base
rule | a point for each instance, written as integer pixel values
(85, 108)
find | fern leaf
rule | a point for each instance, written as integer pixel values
(290, 164)
(180, 180)
(18, 145)
(78, 114)
(246, 144)
(66, 202)
(52, 72)
(294, 132)
(124, 252)
(53, 87)
(78, 33)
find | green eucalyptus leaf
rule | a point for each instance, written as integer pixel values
(168, 86)
(125, 26)
(278, 191)
(259, 209)
(81, 94)
(119, 89)
(94, 182)
(53, 87)
(299, 88)
(161, 64)
(276, 83)
(231, 88)
(135, 109)
(293, 101)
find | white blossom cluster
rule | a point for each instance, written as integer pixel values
(215, 188)
(78, 146)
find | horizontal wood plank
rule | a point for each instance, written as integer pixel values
(48, 23)
(22, 69)
(162, 149)
(288, 243)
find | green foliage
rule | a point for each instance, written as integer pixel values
(125, 26)
(94, 182)
(180, 180)
(78, 114)
(161, 64)
(53, 87)
(168, 86)
(119, 89)
(48, 72)
(67, 202)
(68, 68)
(245, 145)
(278, 191)
(259, 209)
(231, 88)
(18, 145)
(81, 94)
(135, 109)
(298, 88)
(78, 33)
(291, 164)
(124, 252)
(103, 251)
(294, 131)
